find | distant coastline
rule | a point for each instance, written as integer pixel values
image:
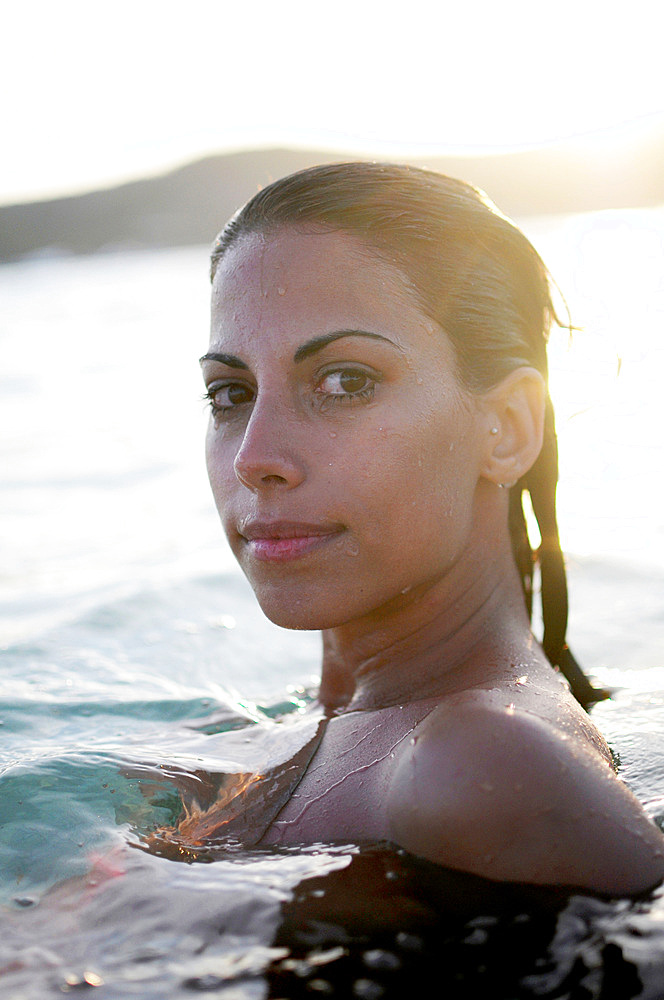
(188, 205)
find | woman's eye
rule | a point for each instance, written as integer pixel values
(226, 396)
(348, 382)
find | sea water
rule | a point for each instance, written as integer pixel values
(130, 645)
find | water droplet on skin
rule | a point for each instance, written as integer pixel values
(451, 445)
(281, 291)
(333, 434)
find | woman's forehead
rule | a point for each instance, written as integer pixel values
(306, 256)
(325, 277)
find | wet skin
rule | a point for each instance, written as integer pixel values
(357, 482)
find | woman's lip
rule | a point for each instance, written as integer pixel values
(254, 530)
(280, 541)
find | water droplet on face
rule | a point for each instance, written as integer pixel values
(281, 291)
(333, 434)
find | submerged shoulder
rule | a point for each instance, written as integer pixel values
(486, 787)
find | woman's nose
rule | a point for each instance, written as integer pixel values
(268, 456)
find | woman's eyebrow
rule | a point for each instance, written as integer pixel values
(318, 343)
(305, 351)
(225, 359)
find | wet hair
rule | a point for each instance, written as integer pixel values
(477, 276)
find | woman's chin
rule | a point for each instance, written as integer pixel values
(298, 611)
(296, 618)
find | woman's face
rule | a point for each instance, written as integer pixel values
(342, 451)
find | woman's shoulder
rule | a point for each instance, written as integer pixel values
(489, 786)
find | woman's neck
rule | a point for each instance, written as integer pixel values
(452, 633)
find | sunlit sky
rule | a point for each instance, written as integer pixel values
(94, 93)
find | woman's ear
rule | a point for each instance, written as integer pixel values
(514, 410)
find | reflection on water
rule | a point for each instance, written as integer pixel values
(171, 916)
(133, 651)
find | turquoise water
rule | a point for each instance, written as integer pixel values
(137, 670)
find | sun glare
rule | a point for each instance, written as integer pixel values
(606, 380)
(95, 98)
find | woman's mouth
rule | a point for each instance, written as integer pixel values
(281, 541)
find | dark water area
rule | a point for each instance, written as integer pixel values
(383, 924)
(400, 924)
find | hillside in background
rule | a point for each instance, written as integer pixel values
(190, 204)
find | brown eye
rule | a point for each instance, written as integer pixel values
(229, 395)
(348, 382)
(353, 381)
(238, 394)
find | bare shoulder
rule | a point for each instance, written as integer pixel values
(507, 794)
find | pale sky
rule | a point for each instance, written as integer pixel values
(97, 93)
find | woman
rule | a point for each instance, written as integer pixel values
(377, 378)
